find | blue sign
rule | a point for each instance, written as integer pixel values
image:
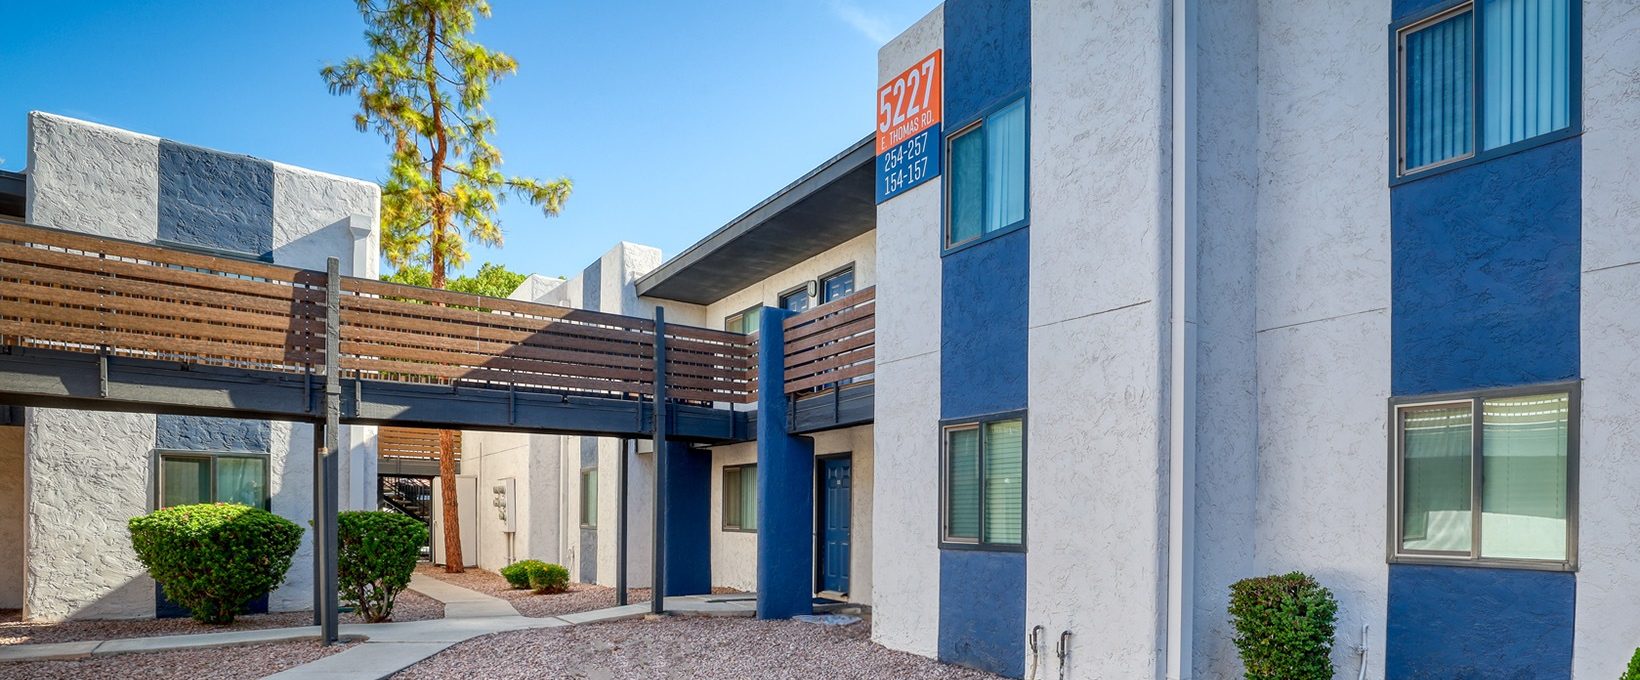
(908, 163)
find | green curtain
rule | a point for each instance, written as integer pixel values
(748, 498)
(1004, 482)
(967, 177)
(185, 481)
(589, 498)
(242, 480)
(1524, 463)
(1436, 505)
(962, 484)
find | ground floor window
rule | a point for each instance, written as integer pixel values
(589, 498)
(1487, 477)
(740, 498)
(188, 477)
(983, 483)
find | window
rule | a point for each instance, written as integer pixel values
(837, 286)
(740, 498)
(985, 192)
(1507, 454)
(984, 484)
(795, 301)
(192, 477)
(589, 498)
(745, 322)
(1483, 76)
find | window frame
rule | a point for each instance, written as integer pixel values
(582, 498)
(1476, 399)
(160, 455)
(741, 316)
(1399, 30)
(949, 425)
(977, 123)
(803, 289)
(740, 470)
(820, 283)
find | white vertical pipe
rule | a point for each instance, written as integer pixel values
(1182, 336)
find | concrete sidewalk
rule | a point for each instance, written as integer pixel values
(459, 602)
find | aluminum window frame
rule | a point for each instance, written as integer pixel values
(945, 541)
(1477, 459)
(723, 503)
(820, 282)
(1398, 31)
(160, 455)
(740, 316)
(977, 124)
(582, 497)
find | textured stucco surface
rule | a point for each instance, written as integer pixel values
(987, 55)
(734, 553)
(187, 433)
(1608, 509)
(11, 517)
(1460, 622)
(123, 166)
(215, 199)
(905, 518)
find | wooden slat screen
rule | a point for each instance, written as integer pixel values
(411, 442)
(831, 343)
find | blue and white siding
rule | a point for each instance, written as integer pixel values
(87, 473)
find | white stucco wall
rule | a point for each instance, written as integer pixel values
(905, 495)
(1096, 464)
(860, 251)
(11, 517)
(1608, 581)
(1323, 299)
(734, 553)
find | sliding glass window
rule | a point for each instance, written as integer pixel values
(984, 484)
(986, 187)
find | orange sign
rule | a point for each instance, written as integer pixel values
(910, 102)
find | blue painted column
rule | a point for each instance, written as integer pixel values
(785, 487)
(688, 520)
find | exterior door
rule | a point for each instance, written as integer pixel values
(836, 504)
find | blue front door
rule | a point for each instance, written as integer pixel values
(835, 508)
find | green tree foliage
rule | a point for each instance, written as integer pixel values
(377, 553)
(1284, 627)
(491, 279)
(214, 557)
(423, 87)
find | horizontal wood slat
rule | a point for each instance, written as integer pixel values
(828, 378)
(411, 442)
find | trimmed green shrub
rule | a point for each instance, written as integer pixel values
(1633, 673)
(214, 557)
(1284, 627)
(376, 554)
(518, 573)
(549, 578)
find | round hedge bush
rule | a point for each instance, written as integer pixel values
(1633, 673)
(549, 578)
(376, 554)
(518, 573)
(214, 557)
(1284, 627)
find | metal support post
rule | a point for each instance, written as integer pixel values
(658, 587)
(628, 448)
(328, 469)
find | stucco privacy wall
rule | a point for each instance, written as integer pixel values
(11, 517)
(91, 178)
(1608, 509)
(904, 517)
(1323, 298)
(1095, 469)
(860, 251)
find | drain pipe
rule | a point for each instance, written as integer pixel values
(1181, 492)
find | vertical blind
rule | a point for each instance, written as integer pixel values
(1526, 66)
(1524, 464)
(1439, 110)
(1436, 478)
(1004, 482)
(748, 497)
(185, 481)
(962, 479)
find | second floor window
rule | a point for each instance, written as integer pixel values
(836, 286)
(985, 185)
(745, 322)
(1481, 76)
(795, 301)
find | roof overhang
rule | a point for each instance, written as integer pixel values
(830, 205)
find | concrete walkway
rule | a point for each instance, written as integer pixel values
(388, 648)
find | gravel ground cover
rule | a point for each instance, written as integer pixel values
(582, 597)
(696, 648)
(13, 631)
(220, 663)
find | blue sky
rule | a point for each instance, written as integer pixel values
(671, 117)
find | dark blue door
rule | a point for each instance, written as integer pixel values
(834, 513)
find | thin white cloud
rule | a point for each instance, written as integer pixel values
(874, 28)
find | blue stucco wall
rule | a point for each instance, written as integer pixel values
(785, 489)
(982, 610)
(214, 199)
(987, 55)
(199, 433)
(1485, 273)
(1462, 623)
(984, 311)
(688, 520)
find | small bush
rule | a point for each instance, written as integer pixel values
(549, 578)
(518, 573)
(376, 554)
(1633, 673)
(214, 557)
(1284, 627)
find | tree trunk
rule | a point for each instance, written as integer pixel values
(453, 561)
